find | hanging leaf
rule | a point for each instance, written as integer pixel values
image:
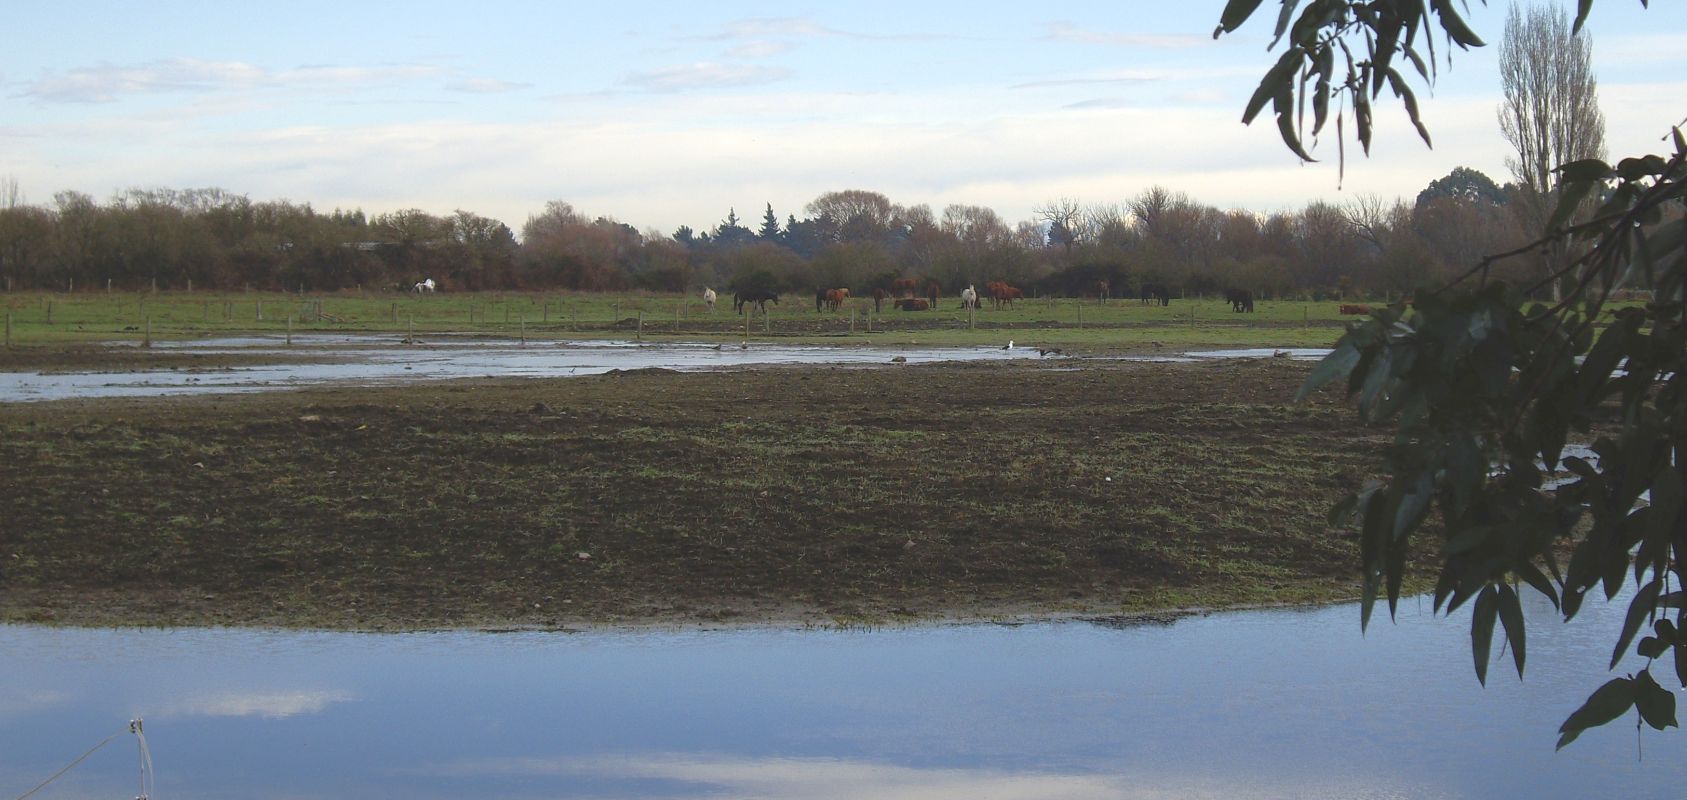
(1606, 703)
(1482, 617)
(1235, 13)
(1656, 704)
(1644, 604)
(1511, 616)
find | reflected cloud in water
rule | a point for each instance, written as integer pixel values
(703, 776)
(267, 705)
(15, 701)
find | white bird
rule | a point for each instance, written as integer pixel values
(1009, 345)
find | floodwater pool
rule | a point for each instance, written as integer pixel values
(317, 360)
(1251, 704)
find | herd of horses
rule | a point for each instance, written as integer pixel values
(1000, 293)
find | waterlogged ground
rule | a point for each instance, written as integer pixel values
(819, 494)
(264, 363)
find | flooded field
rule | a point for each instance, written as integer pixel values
(361, 360)
(1264, 704)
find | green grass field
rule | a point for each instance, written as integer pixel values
(56, 319)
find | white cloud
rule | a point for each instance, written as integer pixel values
(704, 75)
(760, 48)
(1067, 32)
(487, 86)
(107, 83)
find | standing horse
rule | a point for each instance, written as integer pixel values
(426, 285)
(969, 298)
(757, 296)
(932, 291)
(1240, 300)
(709, 298)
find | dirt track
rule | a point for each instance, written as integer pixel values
(803, 495)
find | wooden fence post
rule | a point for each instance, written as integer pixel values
(8, 330)
(641, 326)
(523, 330)
(146, 333)
(289, 330)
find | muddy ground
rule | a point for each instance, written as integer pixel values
(812, 495)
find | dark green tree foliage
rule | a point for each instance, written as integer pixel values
(1465, 185)
(769, 227)
(732, 234)
(1484, 392)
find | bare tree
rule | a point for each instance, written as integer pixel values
(1064, 218)
(1550, 114)
(10, 195)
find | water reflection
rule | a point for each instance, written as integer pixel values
(1250, 705)
(384, 360)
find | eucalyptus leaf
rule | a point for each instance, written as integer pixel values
(1655, 703)
(1606, 703)
(1482, 617)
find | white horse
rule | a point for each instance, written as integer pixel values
(709, 297)
(425, 286)
(969, 298)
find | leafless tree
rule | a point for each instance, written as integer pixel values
(1550, 113)
(1064, 218)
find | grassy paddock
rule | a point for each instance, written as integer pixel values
(58, 318)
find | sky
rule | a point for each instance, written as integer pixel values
(661, 114)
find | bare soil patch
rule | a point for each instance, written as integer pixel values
(820, 495)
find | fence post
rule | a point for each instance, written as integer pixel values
(410, 338)
(8, 330)
(1080, 315)
(852, 322)
(146, 333)
(523, 330)
(49, 312)
(289, 330)
(641, 326)
(260, 310)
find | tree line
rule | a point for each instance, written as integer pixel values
(214, 239)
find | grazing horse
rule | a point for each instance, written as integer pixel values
(835, 298)
(1001, 294)
(1152, 292)
(424, 286)
(1240, 300)
(819, 299)
(757, 296)
(932, 291)
(709, 297)
(879, 296)
(969, 298)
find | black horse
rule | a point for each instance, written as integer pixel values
(1240, 300)
(1154, 291)
(757, 296)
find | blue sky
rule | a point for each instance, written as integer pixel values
(660, 114)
